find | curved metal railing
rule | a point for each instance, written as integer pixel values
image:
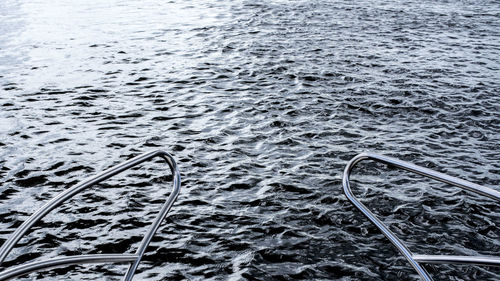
(416, 260)
(97, 258)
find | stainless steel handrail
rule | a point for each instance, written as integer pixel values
(72, 191)
(413, 259)
(448, 259)
(57, 262)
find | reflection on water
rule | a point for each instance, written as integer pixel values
(262, 104)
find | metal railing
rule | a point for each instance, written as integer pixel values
(416, 260)
(134, 259)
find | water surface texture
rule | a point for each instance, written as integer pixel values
(262, 103)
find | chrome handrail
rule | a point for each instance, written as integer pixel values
(72, 191)
(413, 259)
(57, 262)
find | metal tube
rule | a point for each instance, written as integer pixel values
(467, 185)
(70, 192)
(482, 190)
(156, 224)
(473, 260)
(378, 223)
(57, 262)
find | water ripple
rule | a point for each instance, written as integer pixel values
(262, 103)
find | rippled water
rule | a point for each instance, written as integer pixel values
(262, 103)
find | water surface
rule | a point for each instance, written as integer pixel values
(262, 103)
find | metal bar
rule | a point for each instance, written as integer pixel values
(485, 191)
(70, 192)
(473, 260)
(467, 185)
(161, 215)
(58, 262)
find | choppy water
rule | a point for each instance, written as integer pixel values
(262, 103)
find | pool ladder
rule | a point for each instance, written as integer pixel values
(413, 259)
(134, 259)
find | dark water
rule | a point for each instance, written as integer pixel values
(262, 103)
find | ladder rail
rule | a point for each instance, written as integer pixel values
(449, 259)
(72, 191)
(58, 262)
(413, 259)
